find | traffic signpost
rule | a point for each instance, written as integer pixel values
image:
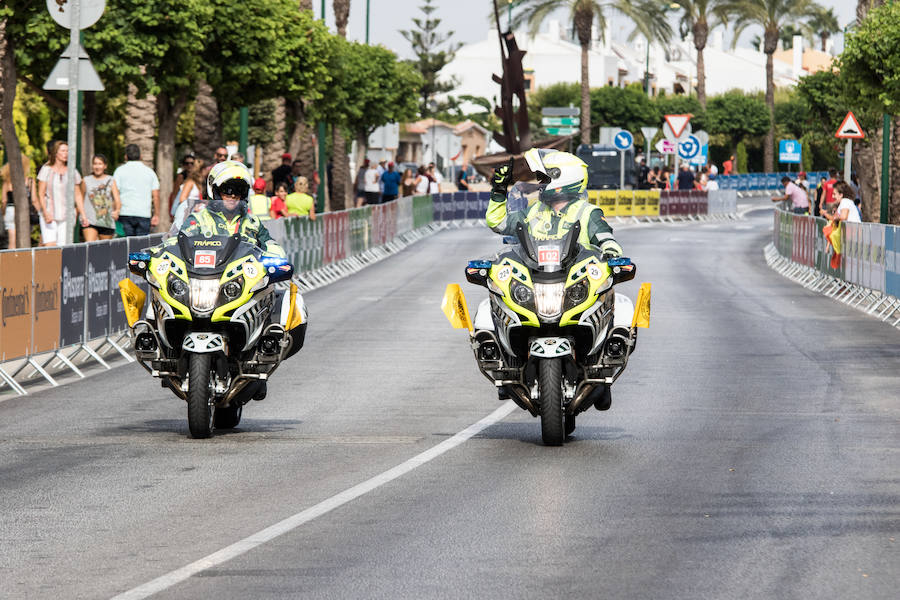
(849, 130)
(561, 130)
(677, 128)
(689, 148)
(74, 15)
(790, 152)
(561, 120)
(623, 141)
(665, 146)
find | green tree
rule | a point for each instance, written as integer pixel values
(648, 17)
(628, 108)
(772, 16)
(870, 65)
(430, 59)
(699, 17)
(822, 24)
(682, 105)
(737, 116)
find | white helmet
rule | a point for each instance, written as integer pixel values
(229, 174)
(563, 176)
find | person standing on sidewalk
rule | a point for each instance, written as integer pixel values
(796, 194)
(100, 209)
(52, 179)
(390, 179)
(139, 192)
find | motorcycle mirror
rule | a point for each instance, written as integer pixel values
(138, 262)
(622, 269)
(477, 272)
(278, 269)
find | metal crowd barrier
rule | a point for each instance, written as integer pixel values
(867, 274)
(754, 182)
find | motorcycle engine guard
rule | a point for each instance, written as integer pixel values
(550, 347)
(203, 343)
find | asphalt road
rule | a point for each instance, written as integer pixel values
(751, 452)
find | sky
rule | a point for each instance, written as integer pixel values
(469, 20)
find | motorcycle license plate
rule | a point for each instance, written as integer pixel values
(205, 258)
(548, 255)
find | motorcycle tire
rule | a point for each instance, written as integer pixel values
(227, 417)
(552, 413)
(200, 413)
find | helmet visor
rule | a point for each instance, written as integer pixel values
(234, 187)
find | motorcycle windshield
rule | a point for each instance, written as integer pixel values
(544, 255)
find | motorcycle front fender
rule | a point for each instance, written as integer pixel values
(203, 343)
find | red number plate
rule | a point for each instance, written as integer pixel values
(204, 258)
(548, 255)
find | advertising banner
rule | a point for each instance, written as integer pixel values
(15, 304)
(624, 202)
(891, 264)
(118, 270)
(74, 285)
(98, 256)
(423, 211)
(459, 204)
(47, 296)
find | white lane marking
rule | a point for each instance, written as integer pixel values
(289, 524)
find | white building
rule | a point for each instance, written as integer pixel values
(554, 57)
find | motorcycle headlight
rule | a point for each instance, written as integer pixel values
(204, 293)
(232, 289)
(522, 293)
(177, 288)
(548, 298)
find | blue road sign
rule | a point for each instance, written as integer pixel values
(702, 156)
(623, 140)
(689, 148)
(789, 151)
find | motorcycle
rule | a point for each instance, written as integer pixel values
(223, 316)
(549, 337)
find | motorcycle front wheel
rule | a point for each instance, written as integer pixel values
(200, 414)
(552, 415)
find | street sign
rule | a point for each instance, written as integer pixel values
(88, 80)
(561, 130)
(677, 123)
(560, 121)
(850, 129)
(689, 148)
(90, 12)
(665, 146)
(702, 156)
(702, 136)
(649, 133)
(623, 140)
(789, 151)
(670, 135)
(560, 111)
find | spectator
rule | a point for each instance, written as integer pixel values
(409, 183)
(662, 182)
(282, 174)
(51, 192)
(685, 178)
(300, 203)
(382, 169)
(221, 155)
(857, 192)
(278, 208)
(361, 183)
(422, 181)
(187, 161)
(643, 175)
(139, 192)
(436, 174)
(827, 189)
(462, 179)
(7, 203)
(237, 156)
(713, 170)
(391, 182)
(802, 182)
(296, 171)
(191, 192)
(728, 166)
(653, 178)
(372, 189)
(100, 207)
(704, 178)
(434, 184)
(796, 194)
(712, 184)
(843, 208)
(259, 202)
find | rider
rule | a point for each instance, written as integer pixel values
(563, 178)
(228, 186)
(563, 202)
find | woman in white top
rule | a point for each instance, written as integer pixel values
(190, 195)
(846, 209)
(422, 182)
(51, 194)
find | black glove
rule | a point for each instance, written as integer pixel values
(502, 177)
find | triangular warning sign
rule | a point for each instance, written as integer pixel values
(677, 123)
(850, 129)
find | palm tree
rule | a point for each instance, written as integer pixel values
(772, 16)
(696, 18)
(340, 170)
(300, 144)
(822, 24)
(647, 15)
